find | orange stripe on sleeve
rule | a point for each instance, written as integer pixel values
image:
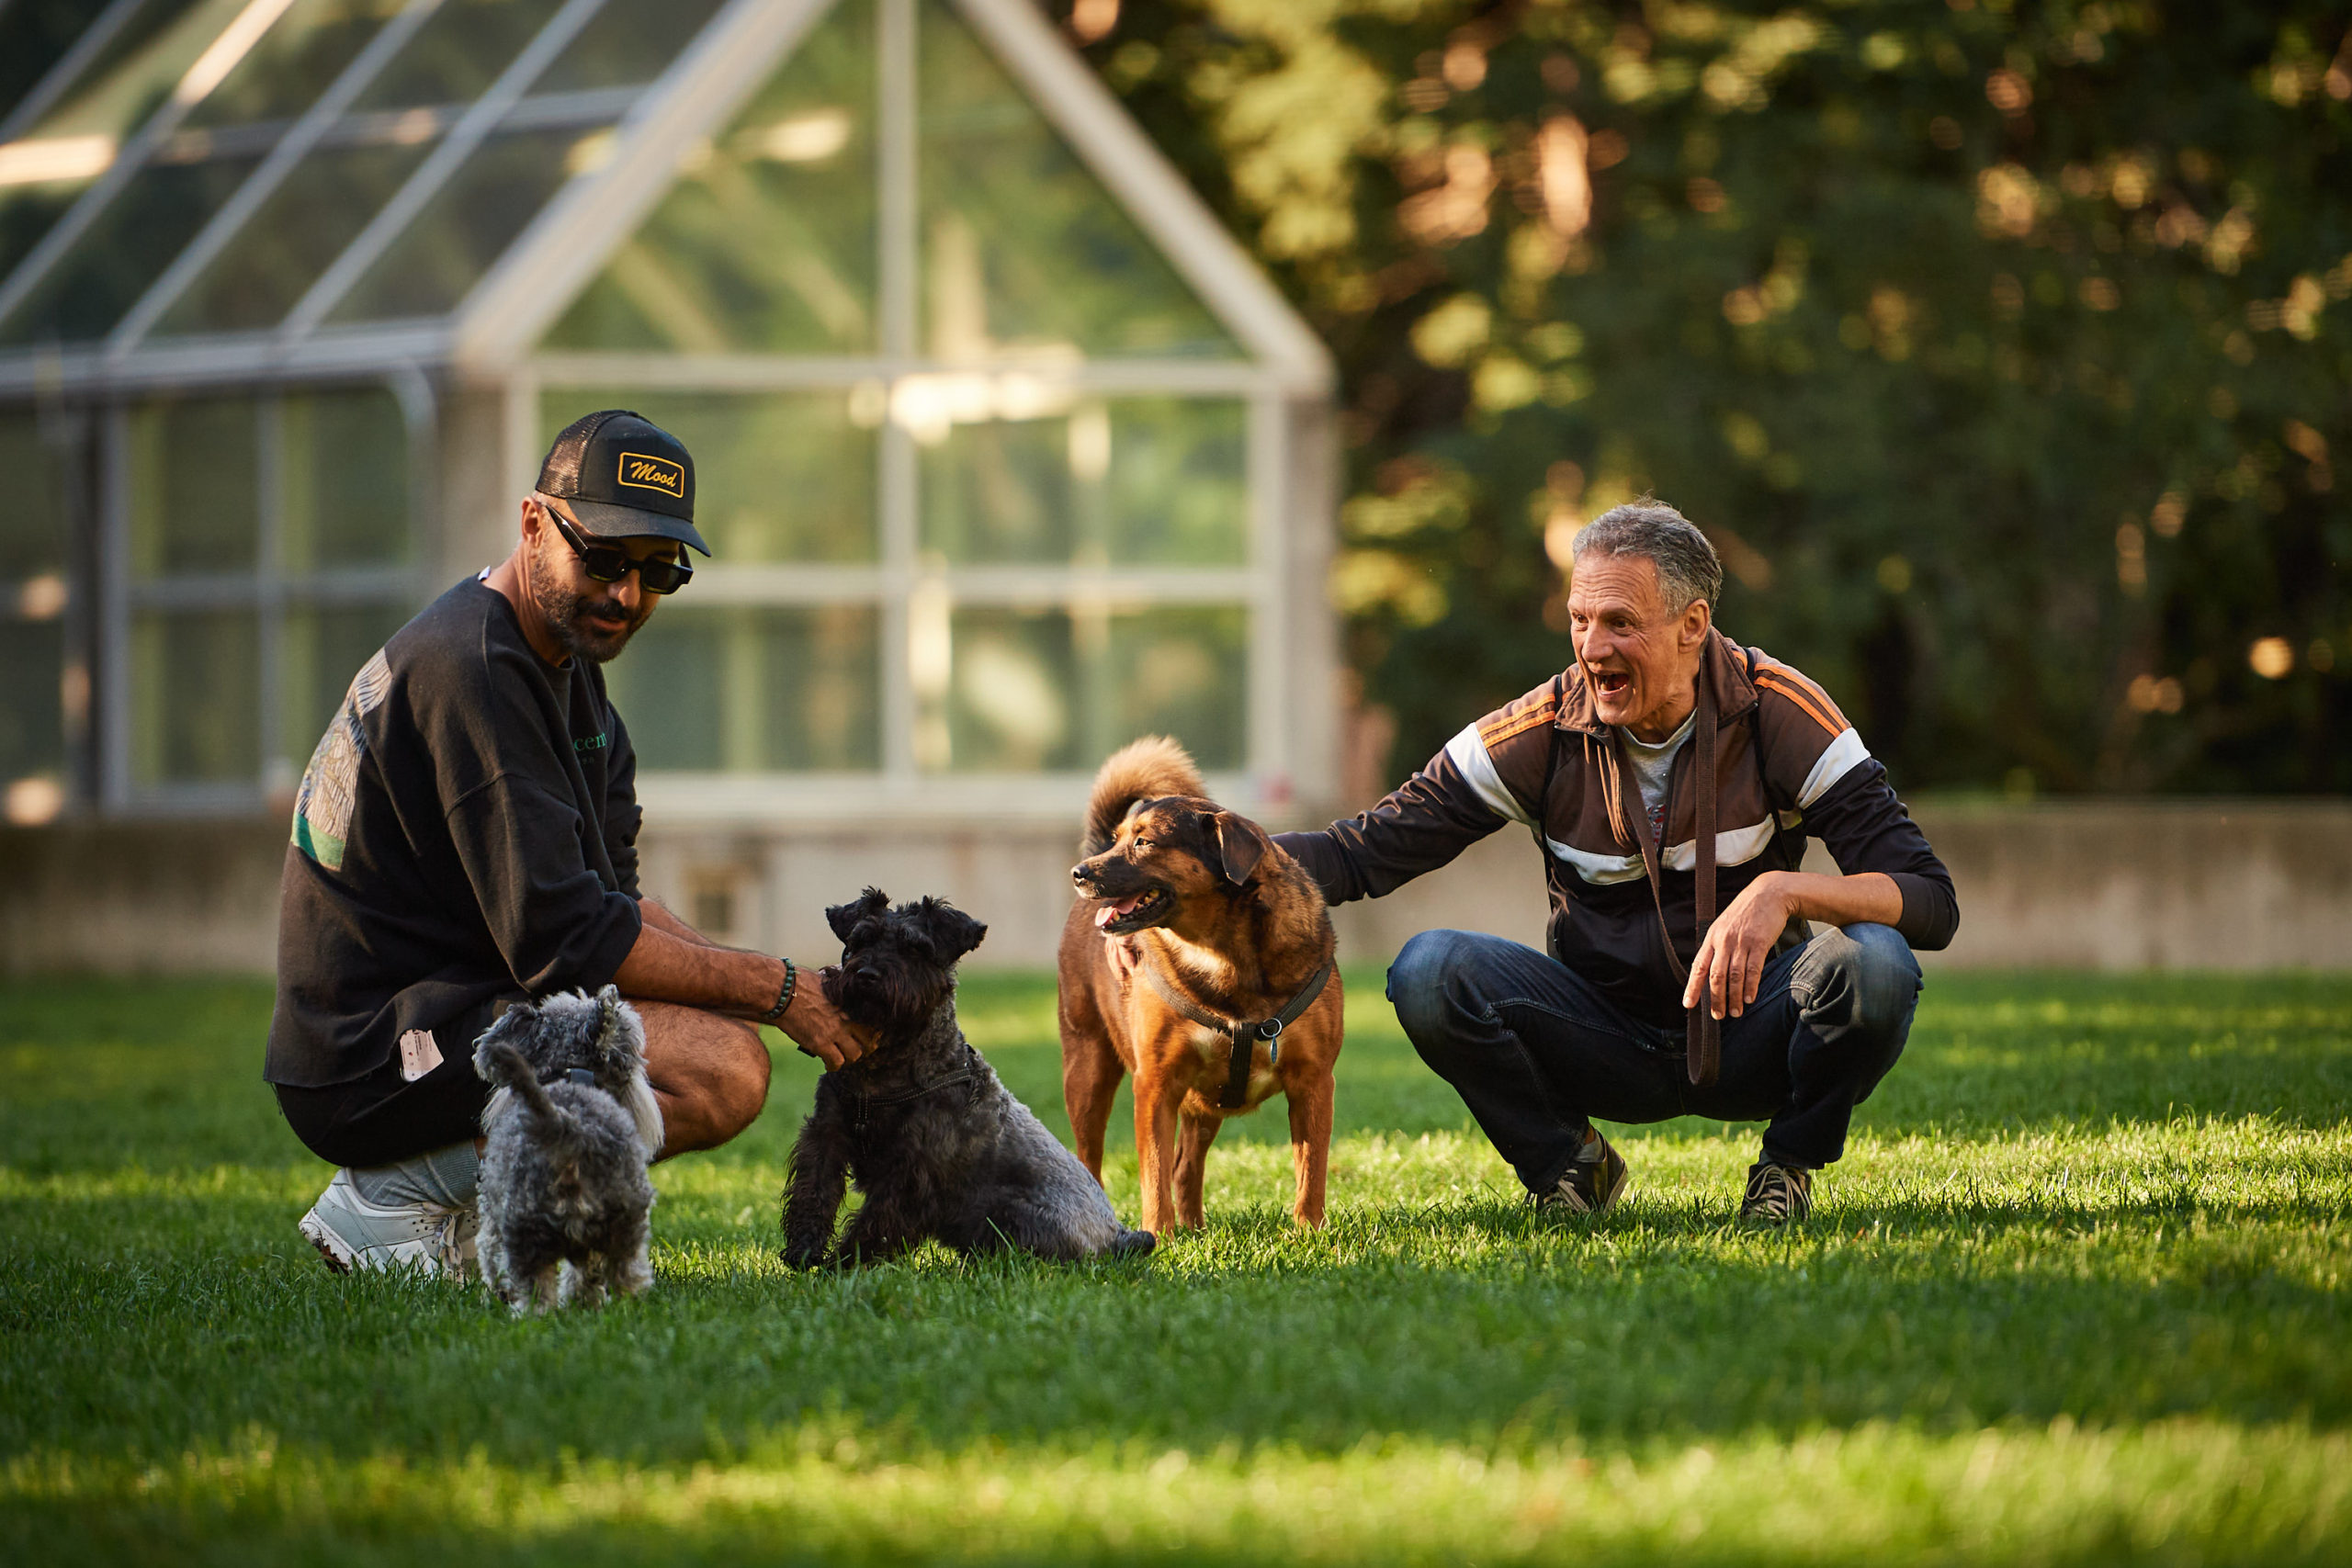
(1813, 703)
(1541, 714)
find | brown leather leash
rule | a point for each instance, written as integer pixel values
(1702, 1030)
(1244, 1033)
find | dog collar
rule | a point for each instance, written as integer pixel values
(1243, 1032)
(966, 1074)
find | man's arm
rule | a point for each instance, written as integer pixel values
(673, 963)
(1483, 779)
(1892, 877)
(1729, 967)
(661, 916)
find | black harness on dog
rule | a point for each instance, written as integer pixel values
(1244, 1032)
(967, 1074)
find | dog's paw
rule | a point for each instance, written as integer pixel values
(806, 1255)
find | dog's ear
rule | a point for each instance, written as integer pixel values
(1240, 844)
(952, 932)
(620, 1034)
(608, 1021)
(843, 918)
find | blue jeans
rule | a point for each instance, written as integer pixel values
(1535, 1050)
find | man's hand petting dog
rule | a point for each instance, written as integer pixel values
(818, 1027)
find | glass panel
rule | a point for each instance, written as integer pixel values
(1002, 492)
(284, 73)
(343, 483)
(626, 42)
(47, 169)
(781, 476)
(468, 224)
(1182, 672)
(146, 224)
(1129, 480)
(766, 243)
(319, 650)
(754, 689)
(194, 489)
(194, 678)
(1022, 248)
(137, 72)
(1176, 478)
(32, 521)
(32, 715)
(28, 210)
(460, 49)
(283, 248)
(1035, 691)
(1012, 698)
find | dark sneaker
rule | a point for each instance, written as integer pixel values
(1777, 1194)
(1592, 1185)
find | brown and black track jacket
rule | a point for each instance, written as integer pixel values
(1791, 768)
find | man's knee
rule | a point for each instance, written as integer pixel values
(1423, 984)
(1862, 977)
(710, 1073)
(739, 1070)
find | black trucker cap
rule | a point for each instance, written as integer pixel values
(624, 477)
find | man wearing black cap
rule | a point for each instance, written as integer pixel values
(466, 834)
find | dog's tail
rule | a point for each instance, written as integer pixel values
(1142, 770)
(514, 1068)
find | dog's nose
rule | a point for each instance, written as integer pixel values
(1081, 873)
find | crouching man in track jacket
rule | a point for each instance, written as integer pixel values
(1666, 775)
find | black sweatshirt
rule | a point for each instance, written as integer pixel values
(1791, 768)
(466, 830)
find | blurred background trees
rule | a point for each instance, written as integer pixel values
(2003, 348)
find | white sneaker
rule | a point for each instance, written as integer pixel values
(352, 1233)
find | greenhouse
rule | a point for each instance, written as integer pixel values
(1007, 452)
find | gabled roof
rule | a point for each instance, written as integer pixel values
(338, 176)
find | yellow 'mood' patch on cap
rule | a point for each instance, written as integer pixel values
(643, 472)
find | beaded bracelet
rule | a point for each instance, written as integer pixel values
(783, 997)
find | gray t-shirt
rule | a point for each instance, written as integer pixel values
(1652, 765)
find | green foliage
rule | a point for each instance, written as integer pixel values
(2000, 345)
(2076, 1296)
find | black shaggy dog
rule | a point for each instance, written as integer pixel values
(936, 1144)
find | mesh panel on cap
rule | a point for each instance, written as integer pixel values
(559, 475)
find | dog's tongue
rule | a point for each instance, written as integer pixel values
(1109, 912)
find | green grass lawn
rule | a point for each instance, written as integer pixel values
(2077, 1294)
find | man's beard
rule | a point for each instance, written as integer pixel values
(578, 630)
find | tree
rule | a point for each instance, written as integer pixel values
(2001, 347)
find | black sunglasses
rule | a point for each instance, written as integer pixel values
(607, 563)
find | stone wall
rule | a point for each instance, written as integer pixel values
(2093, 885)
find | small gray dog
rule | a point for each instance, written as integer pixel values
(572, 1127)
(937, 1145)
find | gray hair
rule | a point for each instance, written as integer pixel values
(1687, 568)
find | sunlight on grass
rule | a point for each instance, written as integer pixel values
(2076, 1294)
(827, 1491)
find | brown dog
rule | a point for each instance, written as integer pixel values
(1193, 930)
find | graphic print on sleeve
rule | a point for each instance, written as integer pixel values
(322, 805)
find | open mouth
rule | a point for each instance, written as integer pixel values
(1612, 682)
(1120, 916)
